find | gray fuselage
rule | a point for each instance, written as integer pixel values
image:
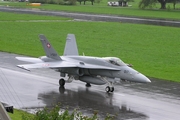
(122, 71)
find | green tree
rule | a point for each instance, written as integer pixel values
(174, 3)
(163, 3)
(92, 1)
(149, 3)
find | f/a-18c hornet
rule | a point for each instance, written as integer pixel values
(88, 69)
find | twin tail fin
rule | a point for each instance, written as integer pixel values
(49, 50)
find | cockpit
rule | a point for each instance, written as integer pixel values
(115, 61)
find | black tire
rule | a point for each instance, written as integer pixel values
(107, 89)
(112, 89)
(62, 82)
(88, 85)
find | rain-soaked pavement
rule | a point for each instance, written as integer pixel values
(159, 100)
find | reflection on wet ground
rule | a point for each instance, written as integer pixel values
(160, 87)
(88, 102)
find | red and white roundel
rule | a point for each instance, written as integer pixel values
(48, 45)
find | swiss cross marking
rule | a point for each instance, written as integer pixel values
(48, 45)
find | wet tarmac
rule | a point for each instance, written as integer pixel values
(96, 17)
(26, 90)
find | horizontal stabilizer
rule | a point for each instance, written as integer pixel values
(22, 67)
(29, 59)
(31, 66)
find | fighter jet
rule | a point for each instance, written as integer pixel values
(88, 69)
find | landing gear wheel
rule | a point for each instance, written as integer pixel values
(107, 89)
(62, 82)
(112, 89)
(88, 85)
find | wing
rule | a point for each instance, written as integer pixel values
(63, 64)
(53, 65)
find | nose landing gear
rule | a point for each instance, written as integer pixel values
(109, 89)
(88, 85)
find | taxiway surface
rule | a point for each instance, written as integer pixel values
(159, 100)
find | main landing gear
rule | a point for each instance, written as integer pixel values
(61, 82)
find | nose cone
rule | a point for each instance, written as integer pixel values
(141, 78)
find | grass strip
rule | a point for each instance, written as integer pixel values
(17, 115)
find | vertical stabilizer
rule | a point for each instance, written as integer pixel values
(49, 50)
(71, 46)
